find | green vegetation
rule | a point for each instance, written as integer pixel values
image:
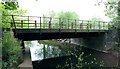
(113, 11)
(64, 18)
(80, 58)
(10, 8)
(11, 51)
(0, 53)
(68, 18)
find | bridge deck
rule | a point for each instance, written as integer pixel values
(43, 34)
(57, 30)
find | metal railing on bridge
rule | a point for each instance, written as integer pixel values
(35, 22)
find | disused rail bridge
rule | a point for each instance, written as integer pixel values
(41, 28)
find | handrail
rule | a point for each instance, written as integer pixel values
(20, 21)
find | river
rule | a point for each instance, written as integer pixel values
(50, 56)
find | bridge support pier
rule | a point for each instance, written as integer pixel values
(103, 41)
(23, 46)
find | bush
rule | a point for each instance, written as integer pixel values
(11, 51)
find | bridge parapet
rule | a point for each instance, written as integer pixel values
(28, 22)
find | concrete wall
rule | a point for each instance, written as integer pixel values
(102, 42)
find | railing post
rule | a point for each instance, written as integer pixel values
(28, 21)
(59, 25)
(50, 23)
(88, 25)
(81, 25)
(62, 25)
(40, 22)
(35, 24)
(75, 24)
(21, 23)
(13, 21)
(72, 25)
(75, 27)
(68, 23)
(94, 24)
(99, 24)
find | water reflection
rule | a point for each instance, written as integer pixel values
(91, 57)
(50, 51)
(42, 51)
(34, 48)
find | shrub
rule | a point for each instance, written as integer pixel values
(11, 51)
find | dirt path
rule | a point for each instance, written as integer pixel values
(27, 63)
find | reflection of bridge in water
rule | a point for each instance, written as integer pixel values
(39, 28)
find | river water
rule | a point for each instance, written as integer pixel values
(41, 51)
(45, 56)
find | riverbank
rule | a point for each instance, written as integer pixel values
(27, 62)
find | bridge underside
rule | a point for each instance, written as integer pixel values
(46, 34)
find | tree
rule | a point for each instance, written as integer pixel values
(10, 8)
(68, 18)
(10, 5)
(11, 51)
(61, 19)
(113, 10)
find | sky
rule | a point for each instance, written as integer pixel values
(86, 9)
